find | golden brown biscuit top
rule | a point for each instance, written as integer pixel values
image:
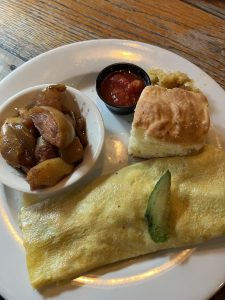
(173, 115)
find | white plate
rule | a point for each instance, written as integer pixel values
(181, 274)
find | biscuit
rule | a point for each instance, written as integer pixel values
(169, 122)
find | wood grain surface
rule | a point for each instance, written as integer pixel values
(192, 29)
(215, 7)
(30, 27)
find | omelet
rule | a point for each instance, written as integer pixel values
(106, 223)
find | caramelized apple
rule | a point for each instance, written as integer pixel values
(53, 125)
(44, 150)
(17, 144)
(74, 152)
(53, 96)
(48, 173)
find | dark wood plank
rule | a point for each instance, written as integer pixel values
(220, 295)
(30, 27)
(215, 7)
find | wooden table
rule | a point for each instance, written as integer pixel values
(192, 29)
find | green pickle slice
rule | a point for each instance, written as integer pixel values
(158, 208)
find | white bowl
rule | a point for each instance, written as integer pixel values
(95, 133)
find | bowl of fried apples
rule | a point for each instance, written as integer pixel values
(51, 136)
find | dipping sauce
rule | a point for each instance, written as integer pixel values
(122, 88)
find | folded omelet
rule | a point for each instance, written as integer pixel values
(106, 222)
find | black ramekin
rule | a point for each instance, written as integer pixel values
(121, 110)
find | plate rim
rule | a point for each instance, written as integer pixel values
(101, 40)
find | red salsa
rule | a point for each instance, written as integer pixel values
(122, 88)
